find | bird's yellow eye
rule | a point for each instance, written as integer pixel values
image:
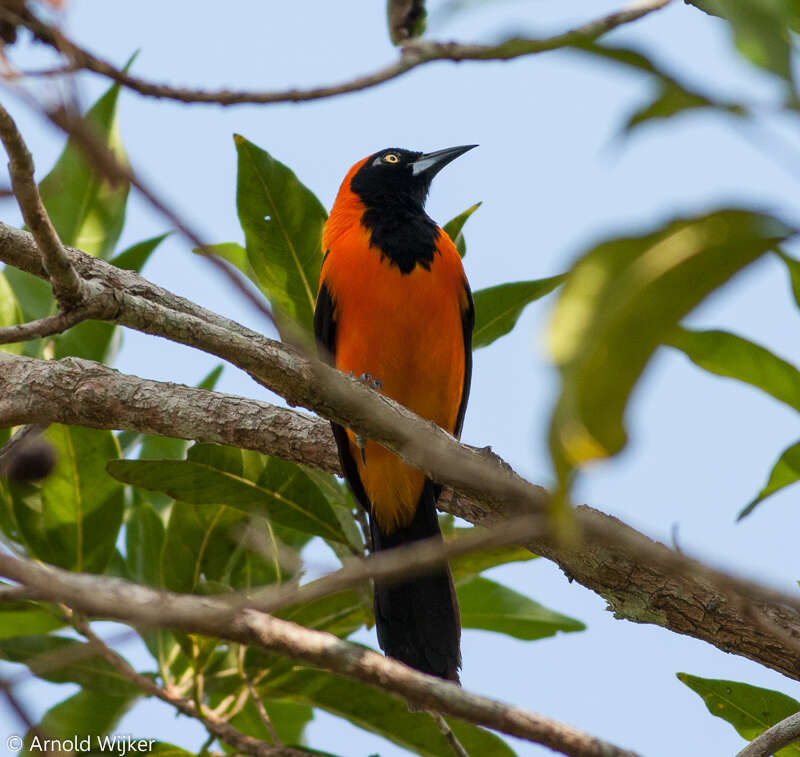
(391, 158)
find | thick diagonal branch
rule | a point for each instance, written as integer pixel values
(641, 580)
(101, 597)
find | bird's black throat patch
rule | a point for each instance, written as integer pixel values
(407, 239)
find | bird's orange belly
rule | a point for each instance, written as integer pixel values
(405, 331)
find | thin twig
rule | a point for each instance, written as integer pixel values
(220, 729)
(66, 284)
(99, 308)
(447, 732)
(413, 55)
(262, 711)
(778, 736)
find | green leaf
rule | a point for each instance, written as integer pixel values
(454, 228)
(340, 614)
(210, 381)
(90, 340)
(86, 210)
(793, 267)
(621, 300)
(85, 714)
(61, 660)
(282, 222)
(466, 567)
(24, 618)
(749, 709)
(35, 298)
(144, 540)
(785, 472)
(491, 606)
(134, 258)
(760, 30)
(733, 356)
(283, 491)
(162, 749)
(72, 519)
(497, 308)
(10, 313)
(671, 97)
(378, 712)
(233, 253)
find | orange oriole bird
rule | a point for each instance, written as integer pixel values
(395, 309)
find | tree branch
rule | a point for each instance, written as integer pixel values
(98, 596)
(65, 282)
(214, 725)
(780, 735)
(413, 55)
(641, 580)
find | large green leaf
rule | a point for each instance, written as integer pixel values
(497, 308)
(288, 719)
(144, 540)
(785, 472)
(621, 300)
(87, 211)
(61, 660)
(87, 714)
(10, 312)
(733, 356)
(749, 709)
(72, 519)
(454, 228)
(283, 491)
(466, 567)
(491, 606)
(378, 712)
(282, 222)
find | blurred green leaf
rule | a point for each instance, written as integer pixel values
(86, 210)
(162, 749)
(621, 300)
(283, 491)
(378, 712)
(134, 258)
(785, 472)
(733, 356)
(35, 299)
(749, 709)
(671, 97)
(454, 228)
(61, 660)
(793, 267)
(760, 29)
(87, 713)
(340, 614)
(282, 222)
(90, 340)
(72, 519)
(491, 606)
(10, 313)
(23, 618)
(210, 381)
(497, 308)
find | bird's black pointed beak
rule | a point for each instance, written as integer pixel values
(429, 164)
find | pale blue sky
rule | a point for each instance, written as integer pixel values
(554, 177)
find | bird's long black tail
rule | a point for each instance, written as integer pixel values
(417, 619)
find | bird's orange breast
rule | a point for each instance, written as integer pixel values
(405, 330)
